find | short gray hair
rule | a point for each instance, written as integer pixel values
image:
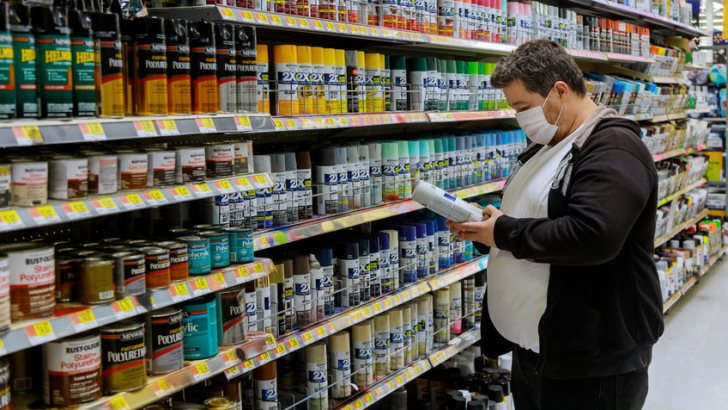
(539, 64)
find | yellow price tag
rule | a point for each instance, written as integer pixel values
(278, 124)
(262, 18)
(291, 21)
(269, 339)
(146, 125)
(95, 128)
(118, 403)
(107, 203)
(303, 23)
(201, 188)
(321, 331)
(247, 15)
(29, 133)
(86, 316)
(134, 199)
(228, 13)
(358, 404)
(265, 357)
(293, 343)
(330, 26)
(291, 124)
(276, 19)
(164, 385)
(307, 337)
(249, 363)
(259, 267)
(280, 349)
(387, 303)
(244, 120)
(207, 124)
(170, 125)
(126, 305)
(183, 191)
(318, 25)
(47, 212)
(10, 217)
(400, 380)
(202, 368)
(242, 271)
(201, 283)
(181, 289)
(43, 328)
(78, 207)
(220, 278)
(368, 398)
(230, 356)
(224, 184)
(156, 195)
(367, 311)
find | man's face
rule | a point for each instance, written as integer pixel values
(521, 100)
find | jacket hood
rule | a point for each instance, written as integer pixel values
(617, 122)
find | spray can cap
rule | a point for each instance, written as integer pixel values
(407, 233)
(327, 156)
(364, 246)
(51, 20)
(291, 161)
(325, 256)
(421, 229)
(374, 243)
(431, 226)
(202, 34)
(441, 224)
(383, 240)
(262, 163)
(105, 25)
(80, 23)
(225, 36)
(350, 250)
(176, 31)
(278, 163)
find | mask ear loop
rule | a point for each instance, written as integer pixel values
(560, 110)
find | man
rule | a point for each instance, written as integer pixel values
(571, 282)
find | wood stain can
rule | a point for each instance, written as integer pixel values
(220, 160)
(29, 182)
(158, 266)
(32, 280)
(133, 170)
(151, 66)
(5, 182)
(129, 273)
(67, 268)
(179, 264)
(165, 334)
(68, 178)
(72, 370)
(161, 167)
(96, 280)
(178, 66)
(203, 68)
(103, 171)
(190, 165)
(123, 357)
(4, 300)
(232, 317)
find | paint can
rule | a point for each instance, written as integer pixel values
(179, 266)
(219, 403)
(5, 182)
(226, 66)
(200, 323)
(157, 264)
(130, 273)
(84, 63)
(190, 165)
(165, 334)
(66, 277)
(68, 178)
(232, 315)
(29, 182)
(219, 248)
(72, 370)
(24, 53)
(123, 360)
(243, 157)
(32, 280)
(241, 245)
(151, 66)
(50, 25)
(178, 66)
(5, 385)
(205, 95)
(133, 169)
(266, 387)
(220, 160)
(198, 254)
(96, 280)
(4, 299)
(161, 167)
(103, 174)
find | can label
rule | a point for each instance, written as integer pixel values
(340, 367)
(5, 182)
(110, 79)
(123, 360)
(287, 95)
(251, 309)
(263, 87)
(161, 168)
(226, 81)
(32, 283)
(151, 74)
(96, 282)
(232, 318)
(56, 91)
(381, 353)
(72, 370)
(26, 79)
(247, 85)
(349, 272)
(179, 82)
(327, 198)
(241, 247)
(7, 76)
(84, 81)
(220, 251)
(220, 159)
(4, 299)
(205, 95)
(178, 263)
(198, 253)
(130, 276)
(166, 334)
(362, 363)
(68, 178)
(133, 171)
(200, 323)
(190, 165)
(302, 299)
(158, 275)
(103, 171)
(266, 390)
(316, 386)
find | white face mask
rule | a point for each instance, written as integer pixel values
(536, 126)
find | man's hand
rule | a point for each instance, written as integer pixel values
(483, 232)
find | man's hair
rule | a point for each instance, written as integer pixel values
(539, 64)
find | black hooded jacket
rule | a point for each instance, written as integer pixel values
(604, 305)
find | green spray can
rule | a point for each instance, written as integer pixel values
(83, 64)
(7, 77)
(26, 79)
(55, 79)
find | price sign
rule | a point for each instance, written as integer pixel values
(262, 18)
(280, 349)
(242, 123)
(230, 357)
(167, 127)
(307, 337)
(145, 128)
(181, 193)
(400, 380)
(92, 131)
(27, 135)
(244, 184)
(249, 364)
(247, 16)
(321, 331)
(119, 403)
(155, 197)
(318, 25)
(342, 28)
(276, 20)
(40, 333)
(330, 122)
(291, 124)
(104, 205)
(224, 186)
(201, 189)
(3, 350)
(232, 372)
(132, 201)
(397, 299)
(83, 320)
(10, 220)
(358, 404)
(200, 286)
(278, 125)
(179, 292)
(261, 181)
(291, 21)
(124, 308)
(75, 210)
(228, 13)
(293, 343)
(330, 26)
(270, 340)
(200, 371)
(265, 357)
(303, 23)
(162, 388)
(368, 398)
(206, 125)
(220, 279)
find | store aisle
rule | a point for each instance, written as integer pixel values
(689, 363)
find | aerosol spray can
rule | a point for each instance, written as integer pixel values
(179, 91)
(205, 95)
(55, 80)
(84, 64)
(110, 66)
(226, 67)
(151, 66)
(24, 55)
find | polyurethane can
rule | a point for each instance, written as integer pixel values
(96, 281)
(203, 68)
(129, 273)
(226, 67)
(68, 177)
(200, 323)
(7, 75)
(246, 76)
(157, 264)
(123, 357)
(161, 167)
(178, 67)
(179, 268)
(5, 183)
(24, 54)
(220, 160)
(241, 245)
(4, 299)
(219, 248)
(110, 68)
(72, 370)
(151, 66)
(133, 169)
(83, 64)
(190, 165)
(165, 334)
(198, 254)
(54, 61)
(67, 268)
(233, 325)
(32, 280)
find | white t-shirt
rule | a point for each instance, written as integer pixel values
(517, 287)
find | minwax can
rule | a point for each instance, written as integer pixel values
(150, 66)
(110, 67)
(179, 92)
(232, 314)
(246, 77)
(198, 254)
(84, 64)
(205, 95)
(26, 77)
(123, 357)
(219, 248)
(7, 69)
(226, 67)
(50, 25)
(165, 334)
(179, 268)
(200, 323)
(129, 68)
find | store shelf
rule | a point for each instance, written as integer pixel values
(327, 224)
(690, 282)
(668, 117)
(345, 319)
(666, 80)
(669, 154)
(681, 227)
(695, 67)
(71, 319)
(698, 111)
(638, 117)
(682, 191)
(57, 212)
(389, 384)
(471, 115)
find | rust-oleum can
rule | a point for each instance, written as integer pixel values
(179, 91)
(7, 75)
(123, 357)
(84, 64)
(54, 61)
(165, 332)
(205, 95)
(26, 76)
(151, 66)
(226, 67)
(110, 67)
(72, 370)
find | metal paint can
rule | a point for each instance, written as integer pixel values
(219, 248)
(123, 357)
(96, 280)
(29, 182)
(200, 322)
(5, 181)
(165, 334)
(103, 174)
(198, 254)
(129, 274)
(133, 168)
(220, 160)
(179, 266)
(157, 261)
(32, 280)
(190, 165)
(67, 268)
(231, 307)
(4, 385)
(162, 168)
(68, 178)
(220, 403)
(4, 300)
(72, 370)
(241, 245)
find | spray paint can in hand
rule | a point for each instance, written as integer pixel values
(203, 66)
(110, 67)
(151, 66)
(179, 92)
(25, 62)
(226, 67)
(55, 80)
(84, 64)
